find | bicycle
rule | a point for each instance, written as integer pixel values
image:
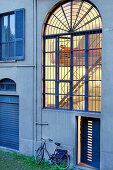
(59, 157)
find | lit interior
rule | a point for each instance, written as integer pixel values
(60, 23)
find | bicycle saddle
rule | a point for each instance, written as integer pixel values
(58, 144)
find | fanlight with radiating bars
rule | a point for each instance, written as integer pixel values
(76, 15)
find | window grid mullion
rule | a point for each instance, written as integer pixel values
(44, 72)
(56, 73)
(71, 74)
(86, 72)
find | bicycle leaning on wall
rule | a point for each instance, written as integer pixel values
(60, 157)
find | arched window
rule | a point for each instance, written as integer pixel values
(72, 46)
(7, 85)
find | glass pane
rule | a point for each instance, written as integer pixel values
(95, 41)
(50, 59)
(67, 7)
(11, 49)
(50, 45)
(94, 56)
(5, 50)
(49, 100)
(79, 50)
(64, 73)
(78, 102)
(75, 9)
(64, 101)
(79, 73)
(64, 50)
(4, 28)
(50, 73)
(94, 88)
(78, 87)
(12, 27)
(79, 57)
(95, 52)
(79, 42)
(50, 87)
(94, 104)
(64, 88)
(4, 37)
(95, 73)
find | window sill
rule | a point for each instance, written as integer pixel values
(63, 109)
(8, 61)
(75, 112)
(8, 93)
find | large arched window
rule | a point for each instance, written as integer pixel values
(72, 45)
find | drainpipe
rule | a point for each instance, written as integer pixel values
(36, 68)
(37, 124)
(34, 73)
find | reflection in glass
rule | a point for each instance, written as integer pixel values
(8, 36)
(5, 28)
(5, 36)
(12, 27)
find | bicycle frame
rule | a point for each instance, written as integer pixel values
(45, 149)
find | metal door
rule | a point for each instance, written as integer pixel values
(90, 141)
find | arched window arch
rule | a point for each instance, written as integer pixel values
(72, 46)
(7, 85)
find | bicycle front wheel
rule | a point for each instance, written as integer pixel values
(39, 155)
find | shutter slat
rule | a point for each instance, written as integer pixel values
(0, 38)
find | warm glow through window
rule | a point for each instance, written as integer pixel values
(72, 57)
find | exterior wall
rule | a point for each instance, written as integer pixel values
(22, 72)
(106, 10)
(62, 125)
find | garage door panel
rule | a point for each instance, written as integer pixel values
(9, 144)
(8, 129)
(9, 106)
(9, 121)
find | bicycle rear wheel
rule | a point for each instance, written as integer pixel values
(64, 162)
(39, 155)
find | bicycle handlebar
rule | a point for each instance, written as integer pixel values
(50, 140)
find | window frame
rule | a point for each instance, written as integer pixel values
(8, 41)
(19, 42)
(72, 33)
(7, 84)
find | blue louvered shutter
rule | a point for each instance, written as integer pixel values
(19, 34)
(0, 38)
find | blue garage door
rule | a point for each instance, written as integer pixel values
(90, 141)
(9, 122)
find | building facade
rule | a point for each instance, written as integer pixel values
(56, 78)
